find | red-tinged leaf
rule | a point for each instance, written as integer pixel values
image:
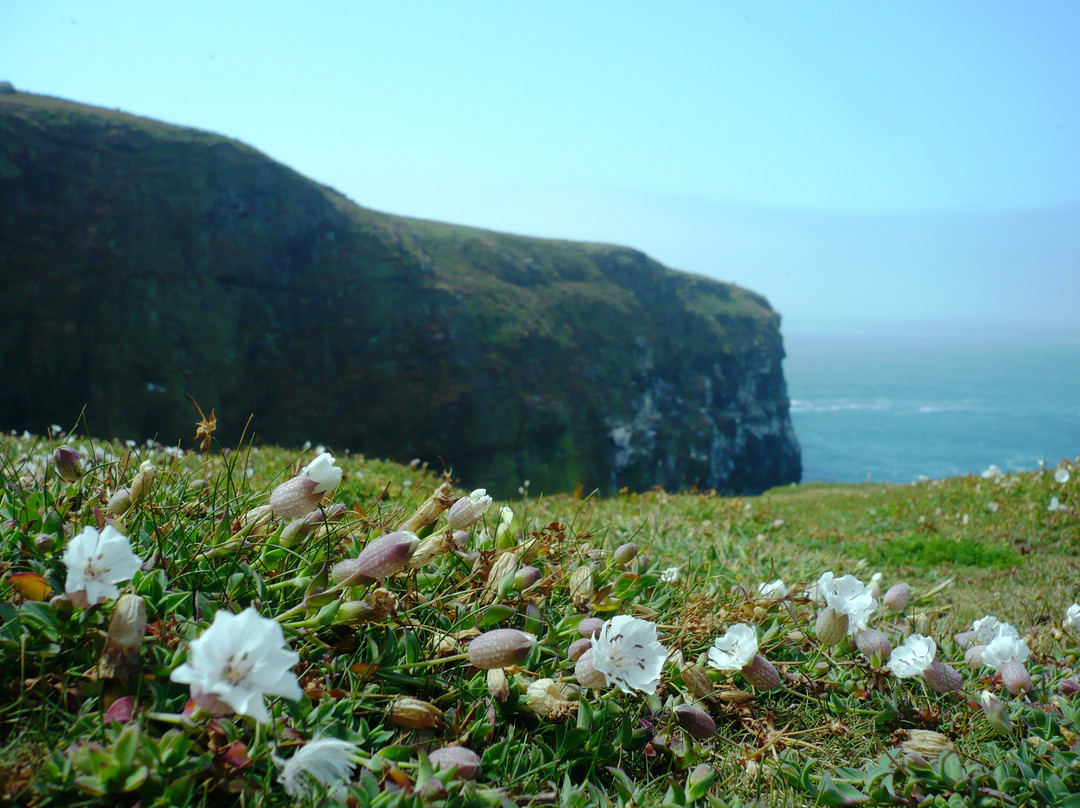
(365, 670)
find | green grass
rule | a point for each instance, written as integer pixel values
(967, 547)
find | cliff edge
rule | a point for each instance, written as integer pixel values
(143, 261)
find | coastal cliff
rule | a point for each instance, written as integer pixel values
(143, 262)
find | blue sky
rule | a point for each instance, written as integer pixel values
(854, 161)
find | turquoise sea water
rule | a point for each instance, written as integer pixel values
(892, 404)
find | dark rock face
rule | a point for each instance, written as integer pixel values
(142, 262)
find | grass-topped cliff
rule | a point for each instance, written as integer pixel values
(153, 261)
(454, 676)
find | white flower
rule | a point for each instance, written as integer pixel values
(670, 575)
(237, 661)
(848, 595)
(96, 563)
(1072, 617)
(1003, 648)
(1055, 506)
(323, 471)
(328, 761)
(993, 473)
(467, 511)
(913, 657)
(735, 650)
(774, 590)
(988, 628)
(1061, 476)
(627, 652)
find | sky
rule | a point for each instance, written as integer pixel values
(855, 162)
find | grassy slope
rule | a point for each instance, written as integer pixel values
(1018, 562)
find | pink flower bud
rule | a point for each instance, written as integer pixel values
(386, 555)
(761, 673)
(831, 626)
(870, 641)
(1015, 677)
(467, 511)
(973, 656)
(525, 577)
(500, 648)
(896, 599)
(66, 459)
(591, 627)
(587, 674)
(121, 711)
(464, 760)
(943, 678)
(295, 498)
(577, 648)
(695, 721)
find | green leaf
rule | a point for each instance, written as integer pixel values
(127, 744)
(833, 792)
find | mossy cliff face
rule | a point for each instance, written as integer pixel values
(143, 262)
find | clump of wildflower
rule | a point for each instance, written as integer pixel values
(628, 654)
(236, 662)
(96, 562)
(303, 493)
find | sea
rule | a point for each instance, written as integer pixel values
(894, 403)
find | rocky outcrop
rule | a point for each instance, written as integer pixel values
(144, 262)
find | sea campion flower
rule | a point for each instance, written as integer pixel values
(303, 493)
(96, 562)
(670, 575)
(237, 661)
(913, 657)
(467, 511)
(1061, 476)
(1006, 655)
(848, 595)
(736, 650)
(327, 761)
(774, 590)
(1072, 617)
(628, 653)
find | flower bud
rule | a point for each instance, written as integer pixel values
(121, 711)
(591, 627)
(295, 531)
(141, 482)
(526, 577)
(1015, 677)
(429, 548)
(1070, 687)
(411, 713)
(497, 685)
(870, 641)
(624, 554)
(353, 611)
(997, 714)
(697, 681)
(922, 624)
(896, 599)
(500, 648)
(831, 626)
(295, 498)
(577, 648)
(973, 656)
(430, 509)
(465, 761)
(581, 588)
(875, 586)
(67, 461)
(119, 502)
(761, 673)
(697, 723)
(386, 555)
(127, 629)
(943, 678)
(467, 511)
(587, 674)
